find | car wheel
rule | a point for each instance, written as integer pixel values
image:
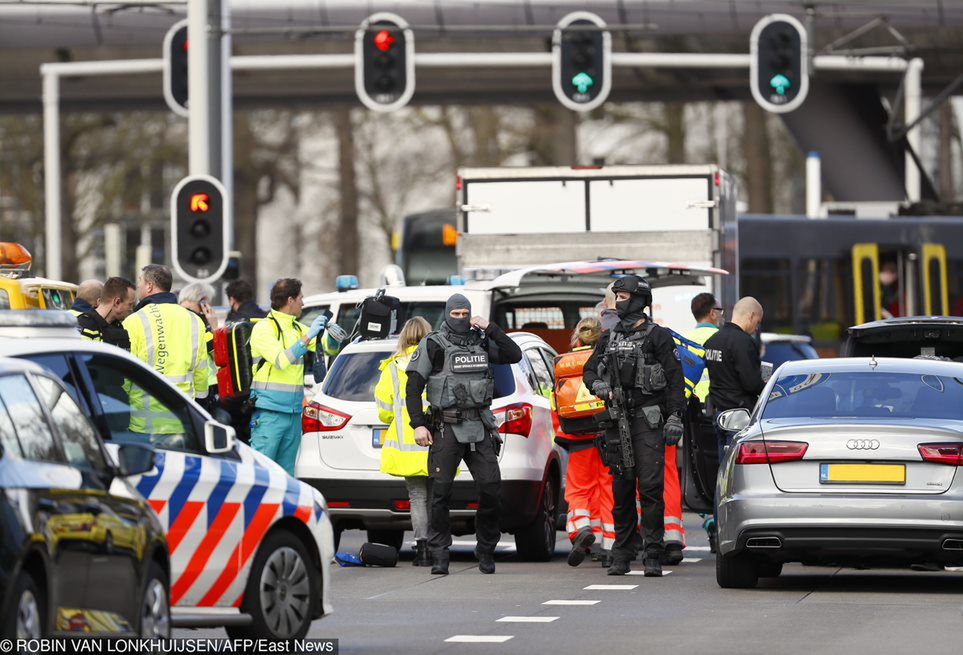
(26, 616)
(393, 538)
(281, 594)
(736, 571)
(767, 569)
(536, 542)
(155, 607)
(337, 529)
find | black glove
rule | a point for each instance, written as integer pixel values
(673, 430)
(601, 389)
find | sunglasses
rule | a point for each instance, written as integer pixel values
(719, 309)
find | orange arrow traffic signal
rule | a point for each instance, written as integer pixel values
(199, 202)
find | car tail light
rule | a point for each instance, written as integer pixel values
(472, 506)
(515, 419)
(950, 454)
(339, 504)
(402, 505)
(771, 452)
(318, 418)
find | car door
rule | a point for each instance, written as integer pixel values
(198, 497)
(57, 500)
(118, 537)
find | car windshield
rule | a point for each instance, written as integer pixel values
(866, 394)
(780, 352)
(353, 377)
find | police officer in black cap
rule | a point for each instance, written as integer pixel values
(454, 363)
(639, 358)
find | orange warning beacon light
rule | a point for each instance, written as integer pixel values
(14, 258)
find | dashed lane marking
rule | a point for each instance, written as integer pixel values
(701, 549)
(479, 639)
(571, 602)
(691, 560)
(527, 619)
(611, 587)
(664, 573)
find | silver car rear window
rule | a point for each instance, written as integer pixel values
(866, 394)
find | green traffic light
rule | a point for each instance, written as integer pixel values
(583, 82)
(780, 83)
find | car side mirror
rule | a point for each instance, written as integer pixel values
(733, 420)
(134, 459)
(218, 438)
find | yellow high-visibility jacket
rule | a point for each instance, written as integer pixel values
(700, 335)
(400, 455)
(278, 354)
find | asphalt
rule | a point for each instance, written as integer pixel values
(806, 611)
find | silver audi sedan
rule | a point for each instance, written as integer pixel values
(846, 462)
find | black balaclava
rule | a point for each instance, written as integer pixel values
(458, 325)
(631, 311)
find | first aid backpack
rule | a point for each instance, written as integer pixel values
(232, 355)
(575, 404)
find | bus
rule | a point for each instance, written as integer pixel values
(424, 245)
(821, 276)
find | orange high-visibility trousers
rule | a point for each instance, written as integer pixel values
(588, 492)
(672, 495)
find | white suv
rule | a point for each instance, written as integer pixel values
(236, 523)
(340, 451)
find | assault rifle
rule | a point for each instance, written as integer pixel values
(623, 460)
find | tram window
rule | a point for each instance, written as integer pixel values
(825, 304)
(954, 273)
(769, 282)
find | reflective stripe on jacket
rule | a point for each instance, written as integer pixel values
(700, 334)
(400, 455)
(279, 362)
(169, 339)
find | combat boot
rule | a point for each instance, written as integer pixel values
(421, 554)
(672, 555)
(580, 546)
(439, 564)
(486, 561)
(620, 566)
(652, 565)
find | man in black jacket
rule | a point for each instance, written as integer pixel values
(104, 323)
(732, 357)
(639, 357)
(454, 363)
(241, 296)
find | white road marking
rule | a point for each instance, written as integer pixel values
(701, 549)
(527, 619)
(479, 639)
(611, 587)
(643, 573)
(691, 560)
(571, 602)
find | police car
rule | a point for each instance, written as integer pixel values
(341, 451)
(249, 545)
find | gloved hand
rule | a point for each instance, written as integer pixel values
(317, 326)
(673, 430)
(601, 389)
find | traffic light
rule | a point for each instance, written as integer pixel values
(200, 221)
(175, 68)
(384, 50)
(581, 61)
(779, 63)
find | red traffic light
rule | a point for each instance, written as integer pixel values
(199, 203)
(383, 40)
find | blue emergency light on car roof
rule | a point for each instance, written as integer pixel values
(346, 282)
(456, 280)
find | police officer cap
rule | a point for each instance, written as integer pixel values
(632, 284)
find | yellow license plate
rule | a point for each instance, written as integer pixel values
(862, 473)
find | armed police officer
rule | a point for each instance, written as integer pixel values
(454, 363)
(635, 369)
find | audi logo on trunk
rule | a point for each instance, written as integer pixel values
(863, 444)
